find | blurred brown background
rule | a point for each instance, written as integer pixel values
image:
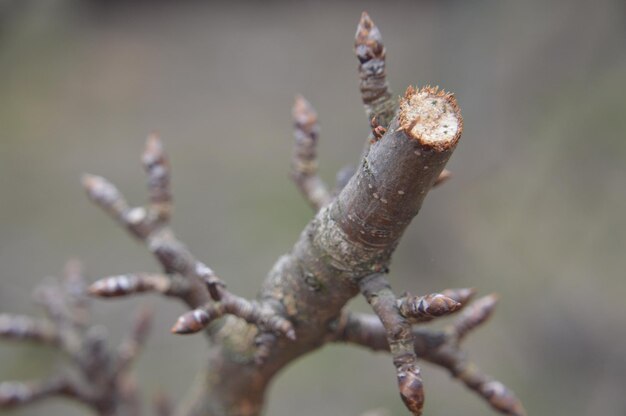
(535, 210)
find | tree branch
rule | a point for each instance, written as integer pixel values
(100, 377)
(438, 347)
(375, 93)
(378, 293)
(304, 160)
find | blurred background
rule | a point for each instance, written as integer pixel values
(535, 210)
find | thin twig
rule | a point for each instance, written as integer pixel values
(304, 160)
(440, 347)
(375, 93)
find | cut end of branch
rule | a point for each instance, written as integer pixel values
(432, 117)
(368, 42)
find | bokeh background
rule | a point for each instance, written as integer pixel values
(535, 211)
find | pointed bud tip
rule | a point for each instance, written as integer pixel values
(491, 300)
(88, 180)
(411, 389)
(303, 113)
(180, 328)
(365, 20)
(442, 305)
(302, 106)
(461, 295)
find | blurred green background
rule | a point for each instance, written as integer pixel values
(535, 210)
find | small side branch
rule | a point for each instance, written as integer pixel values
(134, 283)
(24, 328)
(440, 347)
(16, 393)
(250, 311)
(375, 93)
(396, 316)
(157, 168)
(475, 315)
(96, 376)
(131, 346)
(304, 160)
(186, 277)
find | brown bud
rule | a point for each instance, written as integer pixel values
(461, 295)
(367, 40)
(411, 388)
(501, 398)
(426, 308)
(115, 286)
(195, 321)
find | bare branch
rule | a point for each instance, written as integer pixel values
(157, 167)
(130, 284)
(24, 328)
(252, 312)
(130, 347)
(151, 225)
(375, 92)
(304, 160)
(438, 347)
(15, 393)
(378, 293)
(475, 315)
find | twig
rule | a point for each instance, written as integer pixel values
(201, 286)
(132, 345)
(304, 160)
(24, 328)
(440, 347)
(250, 311)
(396, 316)
(375, 92)
(130, 284)
(100, 377)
